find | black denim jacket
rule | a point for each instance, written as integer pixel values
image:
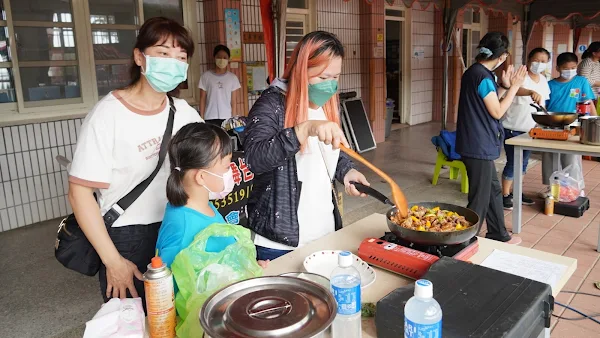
(270, 151)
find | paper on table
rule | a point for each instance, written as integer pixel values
(524, 266)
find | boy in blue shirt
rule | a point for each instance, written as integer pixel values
(569, 88)
(565, 92)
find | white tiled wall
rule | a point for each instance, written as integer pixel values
(422, 69)
(33, 186)
(548, 37)
(518, 45)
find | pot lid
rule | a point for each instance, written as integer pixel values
(269, 307)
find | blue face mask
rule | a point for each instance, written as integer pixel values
(164, 74)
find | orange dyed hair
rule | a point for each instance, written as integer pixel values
(315, 49)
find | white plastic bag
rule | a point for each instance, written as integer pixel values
(123, 318)
(214, 276)
(571, 182)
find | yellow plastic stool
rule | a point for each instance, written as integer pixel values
(456, 167)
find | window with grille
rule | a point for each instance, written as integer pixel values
(299, 21)
(295, 29)
(45, 46)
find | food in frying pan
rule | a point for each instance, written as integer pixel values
(432, 220)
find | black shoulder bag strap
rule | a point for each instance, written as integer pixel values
(119, 208)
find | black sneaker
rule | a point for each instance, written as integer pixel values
(527, 201)
(507, 201)
(524, 200)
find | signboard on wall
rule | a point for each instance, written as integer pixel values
(380, 39)
(256, 74)
(448, 48)
(233, 33)
(233, 206)
(254, 37)
(419, 53)
(378, 52)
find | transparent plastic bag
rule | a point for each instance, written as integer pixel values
(571, 183)
(199, 273)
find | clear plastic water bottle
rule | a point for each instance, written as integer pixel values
(422, 313)
(345, 286)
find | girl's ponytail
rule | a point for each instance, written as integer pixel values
(594, 47)
(175, 192)
(586, 54)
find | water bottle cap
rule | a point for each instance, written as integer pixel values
(345, 259)
(423, 288)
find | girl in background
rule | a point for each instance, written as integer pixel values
(218, 88)
(590, 67)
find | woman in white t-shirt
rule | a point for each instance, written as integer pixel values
(518, 117)
(118, 148)
(217, 88)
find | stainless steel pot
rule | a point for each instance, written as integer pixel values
(269, 307)
(589, 132)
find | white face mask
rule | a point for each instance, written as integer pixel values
(499, 63)
(538, 67)
(222, 63)
(568, 74)
(228, 184)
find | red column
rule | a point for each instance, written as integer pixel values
(372, 21)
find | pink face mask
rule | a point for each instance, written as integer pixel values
(227, 185)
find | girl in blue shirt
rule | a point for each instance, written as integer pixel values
(200, 155)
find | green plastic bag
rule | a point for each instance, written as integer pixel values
(199, 274)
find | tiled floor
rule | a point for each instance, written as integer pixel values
(572, 237)
(40, 298)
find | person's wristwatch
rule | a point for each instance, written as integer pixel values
(503, 86)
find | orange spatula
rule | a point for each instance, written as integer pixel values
(397, 195)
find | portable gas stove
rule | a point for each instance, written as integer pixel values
(409, 259)
(547, 133)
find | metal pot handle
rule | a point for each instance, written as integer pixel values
(274, 308)
(372, 192)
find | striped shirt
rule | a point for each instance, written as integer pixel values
(590, 69)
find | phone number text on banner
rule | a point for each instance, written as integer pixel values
(233, 206)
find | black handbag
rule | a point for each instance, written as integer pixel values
(72, 249)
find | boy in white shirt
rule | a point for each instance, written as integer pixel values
(216, 89)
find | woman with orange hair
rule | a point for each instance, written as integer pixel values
(292, 146)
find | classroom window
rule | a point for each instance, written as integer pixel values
(45, 46)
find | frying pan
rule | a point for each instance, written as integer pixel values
(552, 119)
(425, 237)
